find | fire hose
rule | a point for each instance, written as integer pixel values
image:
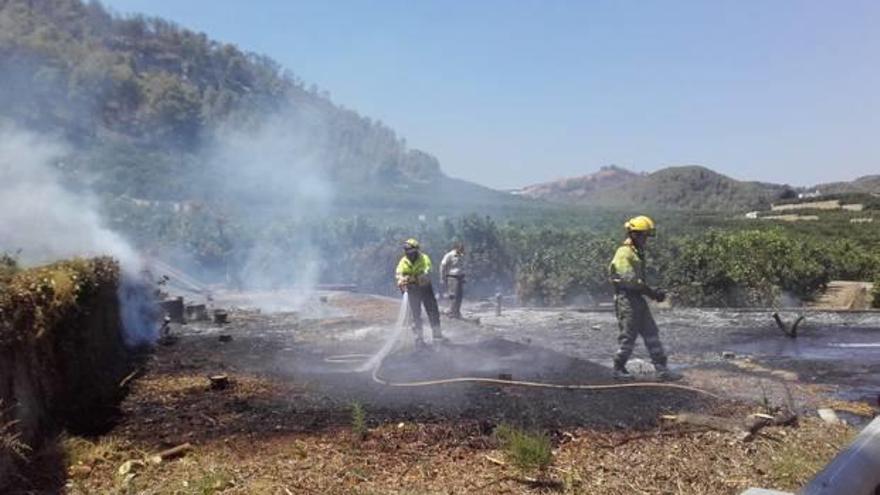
(375, 373)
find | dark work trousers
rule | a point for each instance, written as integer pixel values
(455, 285)
(419, 295)
(633, 319)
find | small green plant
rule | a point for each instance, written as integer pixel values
(212, 482)
(358, 422)
(528, 452)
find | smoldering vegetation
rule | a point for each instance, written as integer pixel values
(42, 220)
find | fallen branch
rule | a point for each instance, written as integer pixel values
(211, 420)
(170, 453)
(663, 433)
(792, 331)
(744, 429)
(129, 377)
(495, 461)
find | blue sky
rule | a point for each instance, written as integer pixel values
(508, 93)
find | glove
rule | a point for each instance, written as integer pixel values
(658, 295)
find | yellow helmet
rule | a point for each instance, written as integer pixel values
(411, 244)
(640, 223)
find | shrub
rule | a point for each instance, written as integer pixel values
(746, 268)
(358, 422)
(528, 452)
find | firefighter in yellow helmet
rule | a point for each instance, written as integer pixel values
(627, 273)
(414, 277)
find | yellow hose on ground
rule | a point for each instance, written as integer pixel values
(353, 358)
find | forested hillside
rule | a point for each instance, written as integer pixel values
(688, 187)
(141, 99)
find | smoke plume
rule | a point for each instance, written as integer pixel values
(275, 174)
(43, 221)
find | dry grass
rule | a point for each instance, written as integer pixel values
(424, 459)
(249, 457)
(107, 450)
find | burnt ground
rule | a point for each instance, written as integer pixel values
(285, 423)
(836, 355)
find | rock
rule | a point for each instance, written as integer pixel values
(129, 466)
(79, 471)
(830, 417)
(640, 366)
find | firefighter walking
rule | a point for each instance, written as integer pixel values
(627, 273)
(414, 277)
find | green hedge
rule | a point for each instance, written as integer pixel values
(62, 352)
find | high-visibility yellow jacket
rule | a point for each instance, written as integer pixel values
(414, 272)
(627, 268)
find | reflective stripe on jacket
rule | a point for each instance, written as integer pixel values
(628, 267)
(409, 272)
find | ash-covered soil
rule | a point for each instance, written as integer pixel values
(735, 354)
(740, 353)
(285, 423)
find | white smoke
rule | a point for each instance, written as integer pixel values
(43, 221)
(39, 217)
(277, 171)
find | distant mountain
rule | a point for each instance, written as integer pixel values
(688, 187)
(865, 184)
(580, 189)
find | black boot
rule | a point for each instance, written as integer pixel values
(664, 374)
(620, 371)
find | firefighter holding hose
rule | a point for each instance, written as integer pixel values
(627, 273)
(414, 277)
